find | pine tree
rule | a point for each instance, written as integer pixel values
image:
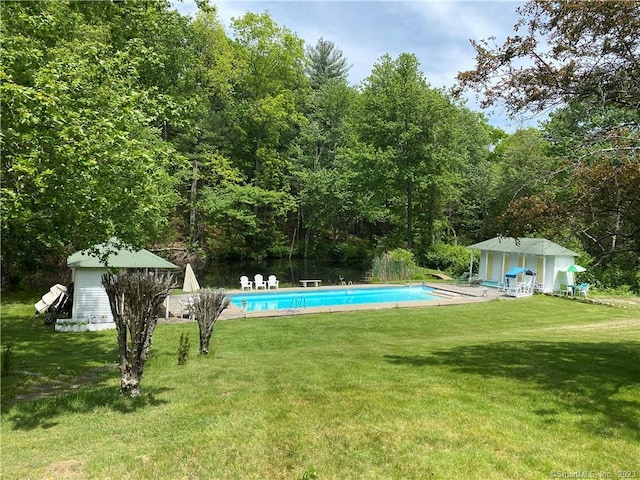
(325, 63)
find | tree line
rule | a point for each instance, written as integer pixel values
(129, 120)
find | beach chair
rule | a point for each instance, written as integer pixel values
(258, 281)
(272, 282)
(245, 283)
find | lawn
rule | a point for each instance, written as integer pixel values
(532, 388)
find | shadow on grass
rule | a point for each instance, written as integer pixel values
(42, 412)
(53, 374)
(597, 380)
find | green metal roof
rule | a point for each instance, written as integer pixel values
(117, 258)
(531, 246)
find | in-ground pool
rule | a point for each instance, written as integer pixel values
(255, 302)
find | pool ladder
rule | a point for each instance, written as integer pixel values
(349, 294)
(299, 301)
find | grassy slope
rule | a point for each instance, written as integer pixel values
(496, 390)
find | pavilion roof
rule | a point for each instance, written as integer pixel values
(531, 246)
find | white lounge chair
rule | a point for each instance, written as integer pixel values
(245, 283)
(272, 282)
(258, 281)
(186, 308)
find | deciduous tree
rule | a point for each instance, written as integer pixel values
(405, 123)
(82, 159)
(271, 90)
(562, 51)
(135, 298)
(583, 60)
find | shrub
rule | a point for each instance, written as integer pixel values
(453, 259)
(395, 265)
(207, 308)
(135, 297)
(183, 349)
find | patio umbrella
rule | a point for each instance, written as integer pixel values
(512, 273)
(573, 269)
(190, 282)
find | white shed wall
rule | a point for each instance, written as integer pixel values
(90, 300)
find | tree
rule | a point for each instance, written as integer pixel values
(586, 51)
(81, 159)
(325, 62)
(207, 308)
(242, 220)
(405, 124)
(271, 90)
(475, 177)
(135, 298)
(324, 191)
(581, 58)
(604, 176)
(202, 133)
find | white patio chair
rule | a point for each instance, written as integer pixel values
(272, 282)
(245, 283)
(258, 281)
(186, 308)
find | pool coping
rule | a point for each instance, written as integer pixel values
(449, 294)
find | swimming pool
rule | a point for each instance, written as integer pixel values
(255, 302)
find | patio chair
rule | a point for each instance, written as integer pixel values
(186, 308)
(582, 289)
(272, 282)
(245, 283)
(463, 279)
(258, 281)
(566, 290)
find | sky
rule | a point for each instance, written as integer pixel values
(438, 32)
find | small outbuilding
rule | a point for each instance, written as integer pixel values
(90, 301)
(540, 256)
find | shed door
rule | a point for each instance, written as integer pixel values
(489, 273)
(90, 297)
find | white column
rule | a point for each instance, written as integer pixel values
(471, 264)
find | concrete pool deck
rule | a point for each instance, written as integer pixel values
(447, 293)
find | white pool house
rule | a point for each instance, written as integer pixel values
(539, 255)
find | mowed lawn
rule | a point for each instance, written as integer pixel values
(530, 388)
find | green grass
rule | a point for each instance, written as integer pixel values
(504, 389)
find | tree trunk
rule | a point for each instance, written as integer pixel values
(307, 240)
(409, 215)
(192, 206)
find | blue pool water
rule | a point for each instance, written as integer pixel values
(254, 302)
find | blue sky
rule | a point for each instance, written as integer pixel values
(436, 31)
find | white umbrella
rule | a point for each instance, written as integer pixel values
(190, 282)
(573, 269)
